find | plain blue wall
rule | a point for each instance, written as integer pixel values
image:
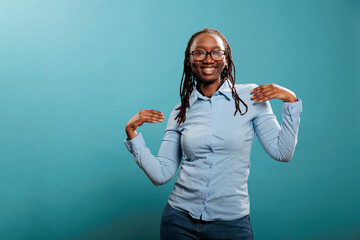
(72, 73)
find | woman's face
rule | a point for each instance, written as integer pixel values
(208, 70)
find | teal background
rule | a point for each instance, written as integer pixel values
(72, 73)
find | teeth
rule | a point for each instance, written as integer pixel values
(208, 69)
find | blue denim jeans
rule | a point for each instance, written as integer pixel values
(178, 225)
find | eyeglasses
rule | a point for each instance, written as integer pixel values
(200, 55)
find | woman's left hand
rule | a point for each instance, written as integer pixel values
(270, 91)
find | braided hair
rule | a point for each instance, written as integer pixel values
(188, 78)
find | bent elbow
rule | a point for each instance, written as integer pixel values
(158, 178)
(159, 182)
(285, 160)
(283, 157)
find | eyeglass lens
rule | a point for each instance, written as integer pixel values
(216, 55)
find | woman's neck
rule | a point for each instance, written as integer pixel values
(209, 89)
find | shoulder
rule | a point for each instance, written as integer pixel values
(172, 122)
(245, 88)
(244, 92)
(175, 111)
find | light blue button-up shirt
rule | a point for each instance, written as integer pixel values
(215, 146)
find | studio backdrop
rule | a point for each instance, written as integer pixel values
(72, 73)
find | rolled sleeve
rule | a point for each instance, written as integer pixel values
(135, 143)
(292, 108)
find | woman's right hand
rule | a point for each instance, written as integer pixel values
(151, 116)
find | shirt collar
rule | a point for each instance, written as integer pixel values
(224, 90)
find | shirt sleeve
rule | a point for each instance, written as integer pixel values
(162, 168)
(278, 141)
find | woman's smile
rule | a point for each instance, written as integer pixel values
(208, 70)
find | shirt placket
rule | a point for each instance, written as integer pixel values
(210, 155)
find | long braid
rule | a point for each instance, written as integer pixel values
(188, 78)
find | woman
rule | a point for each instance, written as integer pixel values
(210, 197)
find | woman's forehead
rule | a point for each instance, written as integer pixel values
(207, 40)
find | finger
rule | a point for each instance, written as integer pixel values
(267, 85)
(157, 119)
(151, 116)
(145, 117)
(154, 118)
(151, 119)
(254, 90)
(263, 92)
(158, 116)
(156, 112)
(266, 98)
(263, 87)
(259, 88)
(152, 113)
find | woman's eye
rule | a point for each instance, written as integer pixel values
(199, 53)
(216, 52)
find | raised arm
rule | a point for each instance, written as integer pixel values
(162, 168)
(278, 141)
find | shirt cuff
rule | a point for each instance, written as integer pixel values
(292, 108)
(134, 143)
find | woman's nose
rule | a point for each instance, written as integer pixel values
(208, 58)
